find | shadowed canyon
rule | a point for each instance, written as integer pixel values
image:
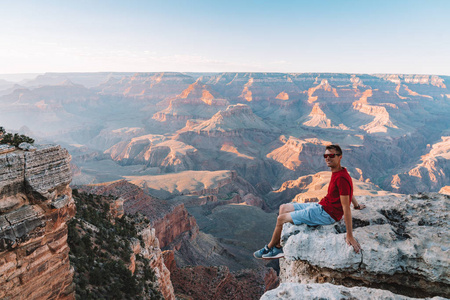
(207, 159)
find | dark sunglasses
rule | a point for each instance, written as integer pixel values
(329, 155)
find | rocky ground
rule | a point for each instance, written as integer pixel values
(405, 248)
(292, 291)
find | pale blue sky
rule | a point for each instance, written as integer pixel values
(216, 36)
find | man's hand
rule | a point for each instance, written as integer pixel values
(359, 206)
(354, 243)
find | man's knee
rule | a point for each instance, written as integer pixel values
(284, 218)
(286, 208)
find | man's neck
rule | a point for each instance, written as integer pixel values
(336, 169)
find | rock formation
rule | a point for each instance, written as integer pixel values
(293, 291)
(156, 151)
(35, 205)
(115, 254)
(384, 117)
(445, 190)
(146, 85)
(201, 282)
(299, 156)
(317, 118)
(198, 101)
(170, 220)
(235, 118)
(404, 241)
(430, 174)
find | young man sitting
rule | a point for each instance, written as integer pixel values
(328, 211)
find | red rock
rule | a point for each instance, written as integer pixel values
(34, 258)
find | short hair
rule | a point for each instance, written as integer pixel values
(336, 147)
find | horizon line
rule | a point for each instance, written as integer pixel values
(218, 72)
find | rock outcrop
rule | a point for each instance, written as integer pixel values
(201, 282)
(405, 248)
(171, 221)
(151, 250)
(108, 247)
(445, 190)
(146, 85)
(198, 101)
(317, 118)
(430, 174)
(155, 151)
(294, 291)
(234, 119)
(35, 205)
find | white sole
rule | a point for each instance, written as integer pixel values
(274, 257)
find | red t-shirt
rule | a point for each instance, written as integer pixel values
(340, 185)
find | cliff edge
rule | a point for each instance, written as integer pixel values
(405, 250)
(35, 205)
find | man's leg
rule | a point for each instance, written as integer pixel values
(283, 217)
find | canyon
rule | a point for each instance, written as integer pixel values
(196, 152)
(260, 124)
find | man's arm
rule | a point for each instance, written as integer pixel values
(356, 205)
(348, 223)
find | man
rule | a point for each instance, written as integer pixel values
(328, 211)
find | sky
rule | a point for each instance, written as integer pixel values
(394, 36)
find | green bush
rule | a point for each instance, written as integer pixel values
(100, 257)
(13, 139)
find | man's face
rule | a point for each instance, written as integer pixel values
(332, 162)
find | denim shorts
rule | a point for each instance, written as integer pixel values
(310, 214)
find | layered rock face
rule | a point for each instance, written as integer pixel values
(35, 205)
(405, 248)
(146, 85)
(170, 221)
(430, 174)
(151, 250)
(156, 151)
(206, 283)
(198, 101)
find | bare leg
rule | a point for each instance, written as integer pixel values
(283, 217)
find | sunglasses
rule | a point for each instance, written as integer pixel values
(329, 155)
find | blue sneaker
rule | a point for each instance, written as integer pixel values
(274, 253)
(259, 254)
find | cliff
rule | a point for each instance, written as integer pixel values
(217, 282)
(404, 241)
(430, 174)
(169, 220)
(331, 292)
(35, 205)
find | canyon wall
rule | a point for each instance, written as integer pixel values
(171, 221)
(35, 205)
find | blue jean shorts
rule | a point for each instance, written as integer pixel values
(310, 214)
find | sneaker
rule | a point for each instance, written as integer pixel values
(274, 253)
(258, 254)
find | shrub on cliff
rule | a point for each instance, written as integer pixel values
(13, 139)
(100, 250)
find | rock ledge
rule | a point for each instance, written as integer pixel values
(405, 243)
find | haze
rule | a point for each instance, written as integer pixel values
(406, 37)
